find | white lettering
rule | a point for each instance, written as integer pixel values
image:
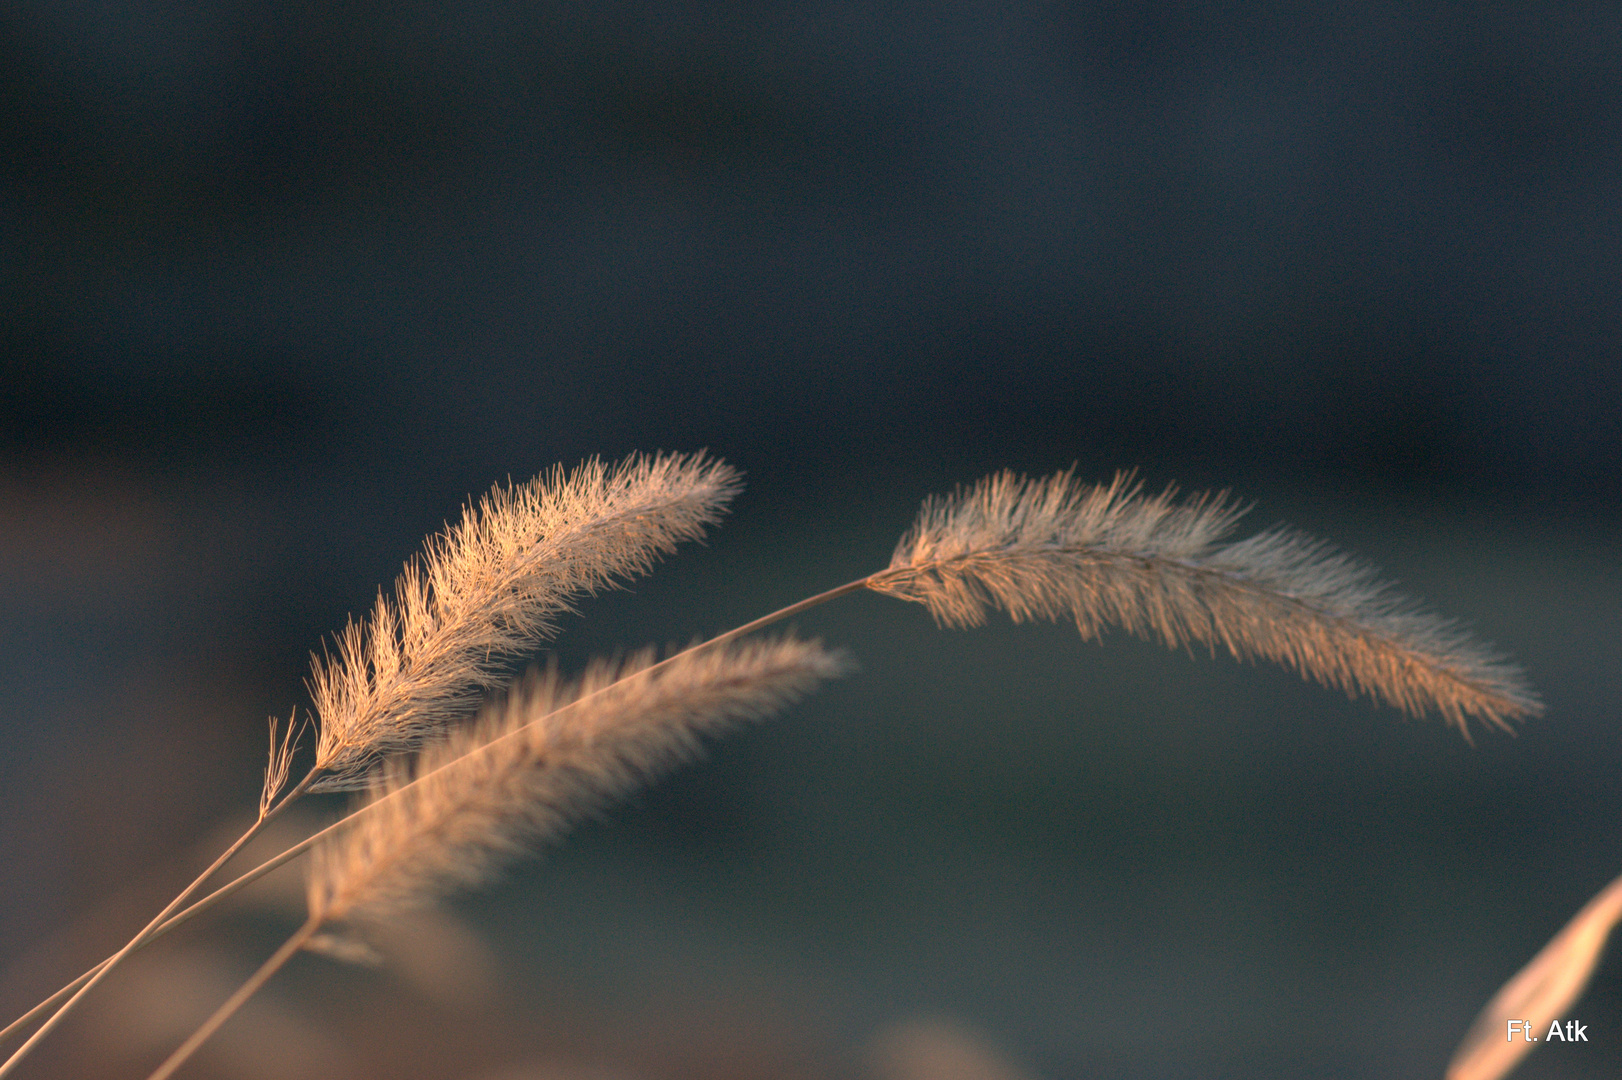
(1555, 1032)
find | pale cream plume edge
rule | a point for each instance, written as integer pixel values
(537, 763)
(1110, 555)
(490, 587)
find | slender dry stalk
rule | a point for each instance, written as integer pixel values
(243, 880)
(1539, 993)
(483, 591)
(528, 769)
(1105, 555)
(489, 588)
(531, 768)
(76, 991)
(1110, 555)
(281, 956)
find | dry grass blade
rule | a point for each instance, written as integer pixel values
(488, 588)
(1539, 993)
(1110, 555)
(536, 764)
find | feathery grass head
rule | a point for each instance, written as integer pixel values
(551, 754)
(1158, 568)
(490, 587)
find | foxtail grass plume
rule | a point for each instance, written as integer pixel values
(549, 755)
(1539, 994)
(490, 587)
(1110, 555)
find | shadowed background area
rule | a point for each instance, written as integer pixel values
(282, 285)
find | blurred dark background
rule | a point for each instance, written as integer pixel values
(282, 284)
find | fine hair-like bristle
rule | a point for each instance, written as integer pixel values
(280, 765)
(489, 588)
(1108, 554)
(533, 765)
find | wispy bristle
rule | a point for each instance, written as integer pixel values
(533, 766)
(280, 765)
(489, 588)
(1109, 555)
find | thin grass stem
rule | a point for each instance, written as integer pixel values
(1105, 555)
(235, 1002)
(166, 922)
(105, 968)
